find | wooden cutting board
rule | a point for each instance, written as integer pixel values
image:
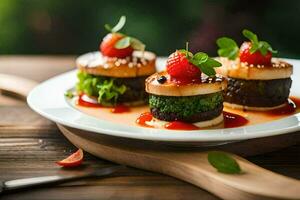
(190, 165)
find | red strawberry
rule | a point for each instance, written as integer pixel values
(107, 47)
(179, 67)
(255, 58)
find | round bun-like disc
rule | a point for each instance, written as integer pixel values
(139, 64)
(235, 69)
(169, 88)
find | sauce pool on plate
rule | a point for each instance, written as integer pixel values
(120, 109)
(177, 125)
(133, 117)
(232, 120)
(86, 101)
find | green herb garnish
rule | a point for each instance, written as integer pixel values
(223, 162)
(229, 48)
(117, 27)
(127, 40)
(257, 45)
(69, 94)
(202, 61)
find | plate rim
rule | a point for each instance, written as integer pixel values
(142, 133)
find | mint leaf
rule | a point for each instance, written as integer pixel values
(209, 71)
(126, 41)
(118, 26)
(225, 42)
(223, 162)
(137, 44)
(205, 63)
(200, 57)
(212, 63)
(130, 41)
(123, 43)
(262, 46)
(108, 27)
(208, 66)
(250, 35)
(267, 46)
(227, 48)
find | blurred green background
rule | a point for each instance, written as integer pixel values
(76, 26)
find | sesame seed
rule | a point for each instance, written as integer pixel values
(106, 65)
(130, 65)
(117, 63)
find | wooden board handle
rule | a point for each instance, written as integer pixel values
(254, 183)
(193, 167)
(16, 85)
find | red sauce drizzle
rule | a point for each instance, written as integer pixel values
(120, 109)
(232, 120)
(177, 125)
(289, 108)
(296, 101)
(87, 101)
(143, 118)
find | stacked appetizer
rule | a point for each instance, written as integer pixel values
(117, 73)
(256, 81)
(188, 91)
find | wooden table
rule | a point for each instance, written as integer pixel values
(30, 144)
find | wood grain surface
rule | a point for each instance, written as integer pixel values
(29, 146)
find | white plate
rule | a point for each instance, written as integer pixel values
(48, 100)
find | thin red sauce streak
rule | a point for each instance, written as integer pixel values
(86, 101)
(232, 120)
(120, 109)
(177, 125)
(290, 107)
(143, 118)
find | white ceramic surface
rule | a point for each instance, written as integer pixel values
(48, 100)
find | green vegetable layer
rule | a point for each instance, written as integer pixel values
(186, 106)
(102, 87)
(111, 91)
